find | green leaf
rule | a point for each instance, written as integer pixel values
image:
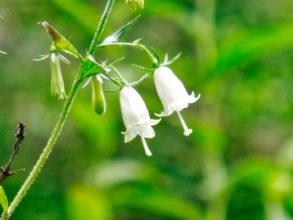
(117, 35)
(3, 201)
(90, 67)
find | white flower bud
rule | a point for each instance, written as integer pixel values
(136, 117)
(110, 40)
(173, 94)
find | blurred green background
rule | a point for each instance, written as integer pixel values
(237, 165)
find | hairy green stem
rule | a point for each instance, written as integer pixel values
(135, 45)
(103, 21)
(47, 150)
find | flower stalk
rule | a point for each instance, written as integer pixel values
(101, 26)
(135, 44)
(47, 150)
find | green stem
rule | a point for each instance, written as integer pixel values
(47, 150)
(103, 21)
(135, 45)
(124, 82)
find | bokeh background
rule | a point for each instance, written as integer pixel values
(237, 165)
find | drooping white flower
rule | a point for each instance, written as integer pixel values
(136, 117)
(173, 94)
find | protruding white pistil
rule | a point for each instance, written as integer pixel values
(146, 147)
(187, 131)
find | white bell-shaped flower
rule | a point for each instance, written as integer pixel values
(136, 117)
(173, 94)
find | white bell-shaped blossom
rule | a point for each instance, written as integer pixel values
(173, 94)
(136, 117)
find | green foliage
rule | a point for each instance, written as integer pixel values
(250, 46)
(85, 202)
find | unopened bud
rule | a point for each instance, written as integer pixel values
(98, 97)
(60, 42)
(135, 4)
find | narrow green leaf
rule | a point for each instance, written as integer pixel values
(173, 59)
(155, 53)
(3, 201)
(142, 68)
(117, 35)
(90, 67)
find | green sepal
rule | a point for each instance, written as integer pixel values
(90, 67)
(117, 35)
(142, 68)
(98, 97)
(155, 53)
(60, 42)
(3, 202)
(169, 62)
